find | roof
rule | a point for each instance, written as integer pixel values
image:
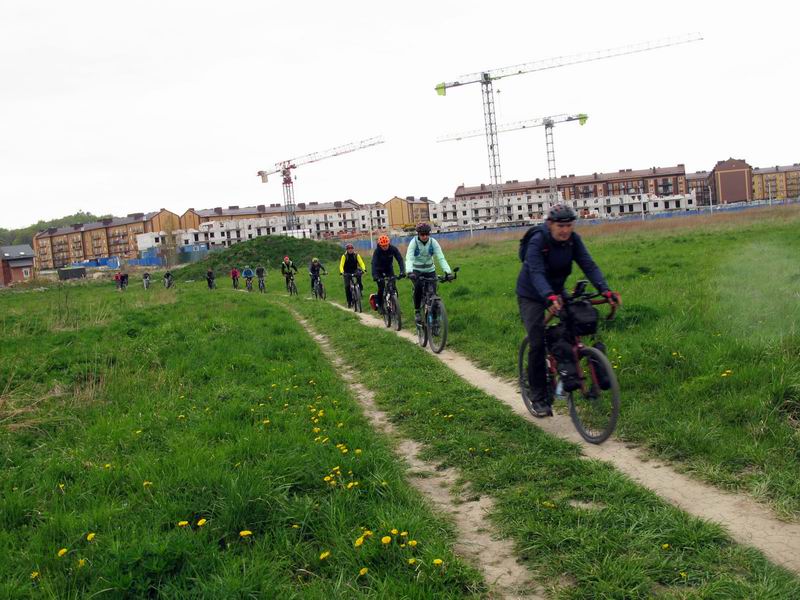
(236, 211)
(622, 175)
(114, 222)
(776, 169)
(697, 175)
(16, 252)
(20, 262)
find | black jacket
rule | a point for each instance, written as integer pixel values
(383, 261)
(548, 263)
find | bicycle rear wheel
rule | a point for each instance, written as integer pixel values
(437, 326)
(593, 410)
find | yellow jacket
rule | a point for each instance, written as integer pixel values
(358, 259)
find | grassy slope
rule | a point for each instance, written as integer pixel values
(628, 545)
(720, 295)
(267, 251)
(109, 391)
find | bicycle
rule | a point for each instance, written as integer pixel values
(391, 304)
(355, 290)
(146, 282)
(594, 405)
(169, 282)
(291, 286)
(317, 288)
(433, 328)
(261, 286)
(248, 282)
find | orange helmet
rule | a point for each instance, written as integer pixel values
(383, 241)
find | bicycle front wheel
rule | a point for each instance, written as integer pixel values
(356, 296)
(396, 316)
(595, 410)
(321, 291)
(437, 326)
(422, 331)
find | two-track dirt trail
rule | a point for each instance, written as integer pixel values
(747, 521)
(477, 542)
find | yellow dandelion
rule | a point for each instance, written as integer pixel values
(245, 533)
(394, 532)
(183, 523)
(358, 450)
(147, 483)
(107, 466)
(34, 574)
(62, 552)
(265, 421)
(403, 534)
(412, 543)
(437, 562)
(359, 542)
(274, 385)
(548, 504)
(201, 522)
(402, 545)
(316, 430)
(326, 478)
(81, 563)
(412, 561)
(138, 431)
(295, 526)
(368, 533)
(665, 546)
(363, 571)
(324, 555)
(684, 574)
(386, 540)
(90, 537)
(61, 486)
(181, 416)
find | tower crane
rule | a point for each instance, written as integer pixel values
(547, 122)
(285, 168)
(486, 78)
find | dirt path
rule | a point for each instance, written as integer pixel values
(477, 542)
(747, 521)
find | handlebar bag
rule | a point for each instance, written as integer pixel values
(583, 316)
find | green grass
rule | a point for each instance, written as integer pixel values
(626, 544)
(126, 414)
(714, 297)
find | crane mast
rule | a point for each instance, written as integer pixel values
(485, 78)
(285, 168)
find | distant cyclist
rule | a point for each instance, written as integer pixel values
(351, 264)
(314, 269)
(420, 263)
(383, 265)
(248, 275)
(235, 277)
(548, 251)
(210, 277)
(286, 270)
(261, 272)
(168, 279)
(146, 279)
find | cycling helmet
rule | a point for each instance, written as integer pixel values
(315, 260)
(561, 213)
(285, 259)
(383, 241)
(348, 247)
(423, 228)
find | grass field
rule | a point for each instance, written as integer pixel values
(707, 345)
(196, 444)
(584, 529)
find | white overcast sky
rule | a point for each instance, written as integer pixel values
(119, 107)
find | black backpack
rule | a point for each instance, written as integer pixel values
(523, 243)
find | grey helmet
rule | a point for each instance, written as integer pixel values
(561, 213)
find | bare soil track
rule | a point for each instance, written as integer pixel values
(477, 542)
(747, 521)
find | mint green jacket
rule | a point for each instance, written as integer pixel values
(419, 256)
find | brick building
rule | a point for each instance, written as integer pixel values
(16, 264)
(404, 212)
(731, 181)
(776, 183)
(57, 247)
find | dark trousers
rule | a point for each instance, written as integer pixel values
(346, 278)
(532, 314)
(235, 283)
(210, 283)
(419, 286)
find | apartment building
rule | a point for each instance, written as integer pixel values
(776, 183)
(57, 247)
(408, 211)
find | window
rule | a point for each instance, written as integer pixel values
(666, 204)
(655, 204)
(26, 273)
(185, 242)
(156, 240)
(463, 213)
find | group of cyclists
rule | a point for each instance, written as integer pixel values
(121, 280)
(247, 273)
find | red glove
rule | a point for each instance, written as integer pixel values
(612, 297)
(552, 299)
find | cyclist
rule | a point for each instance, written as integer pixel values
(118, 280)
(248, 275)
(419, 263)
(548, 251)
(383, 266)
(314, 269)
(146, 279)
(353, 265)
(235, 277)
(123, 281)
(286, 270)
(210, 278)
(261, 272)
(168, 279)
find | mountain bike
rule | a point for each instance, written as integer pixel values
(248, 281)
(261, 286)
(433, 325)
(169, 282)
(317, 288)
(291, 286)
(355, 289)
(594, 404)
(391, 304)
(146, 282)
